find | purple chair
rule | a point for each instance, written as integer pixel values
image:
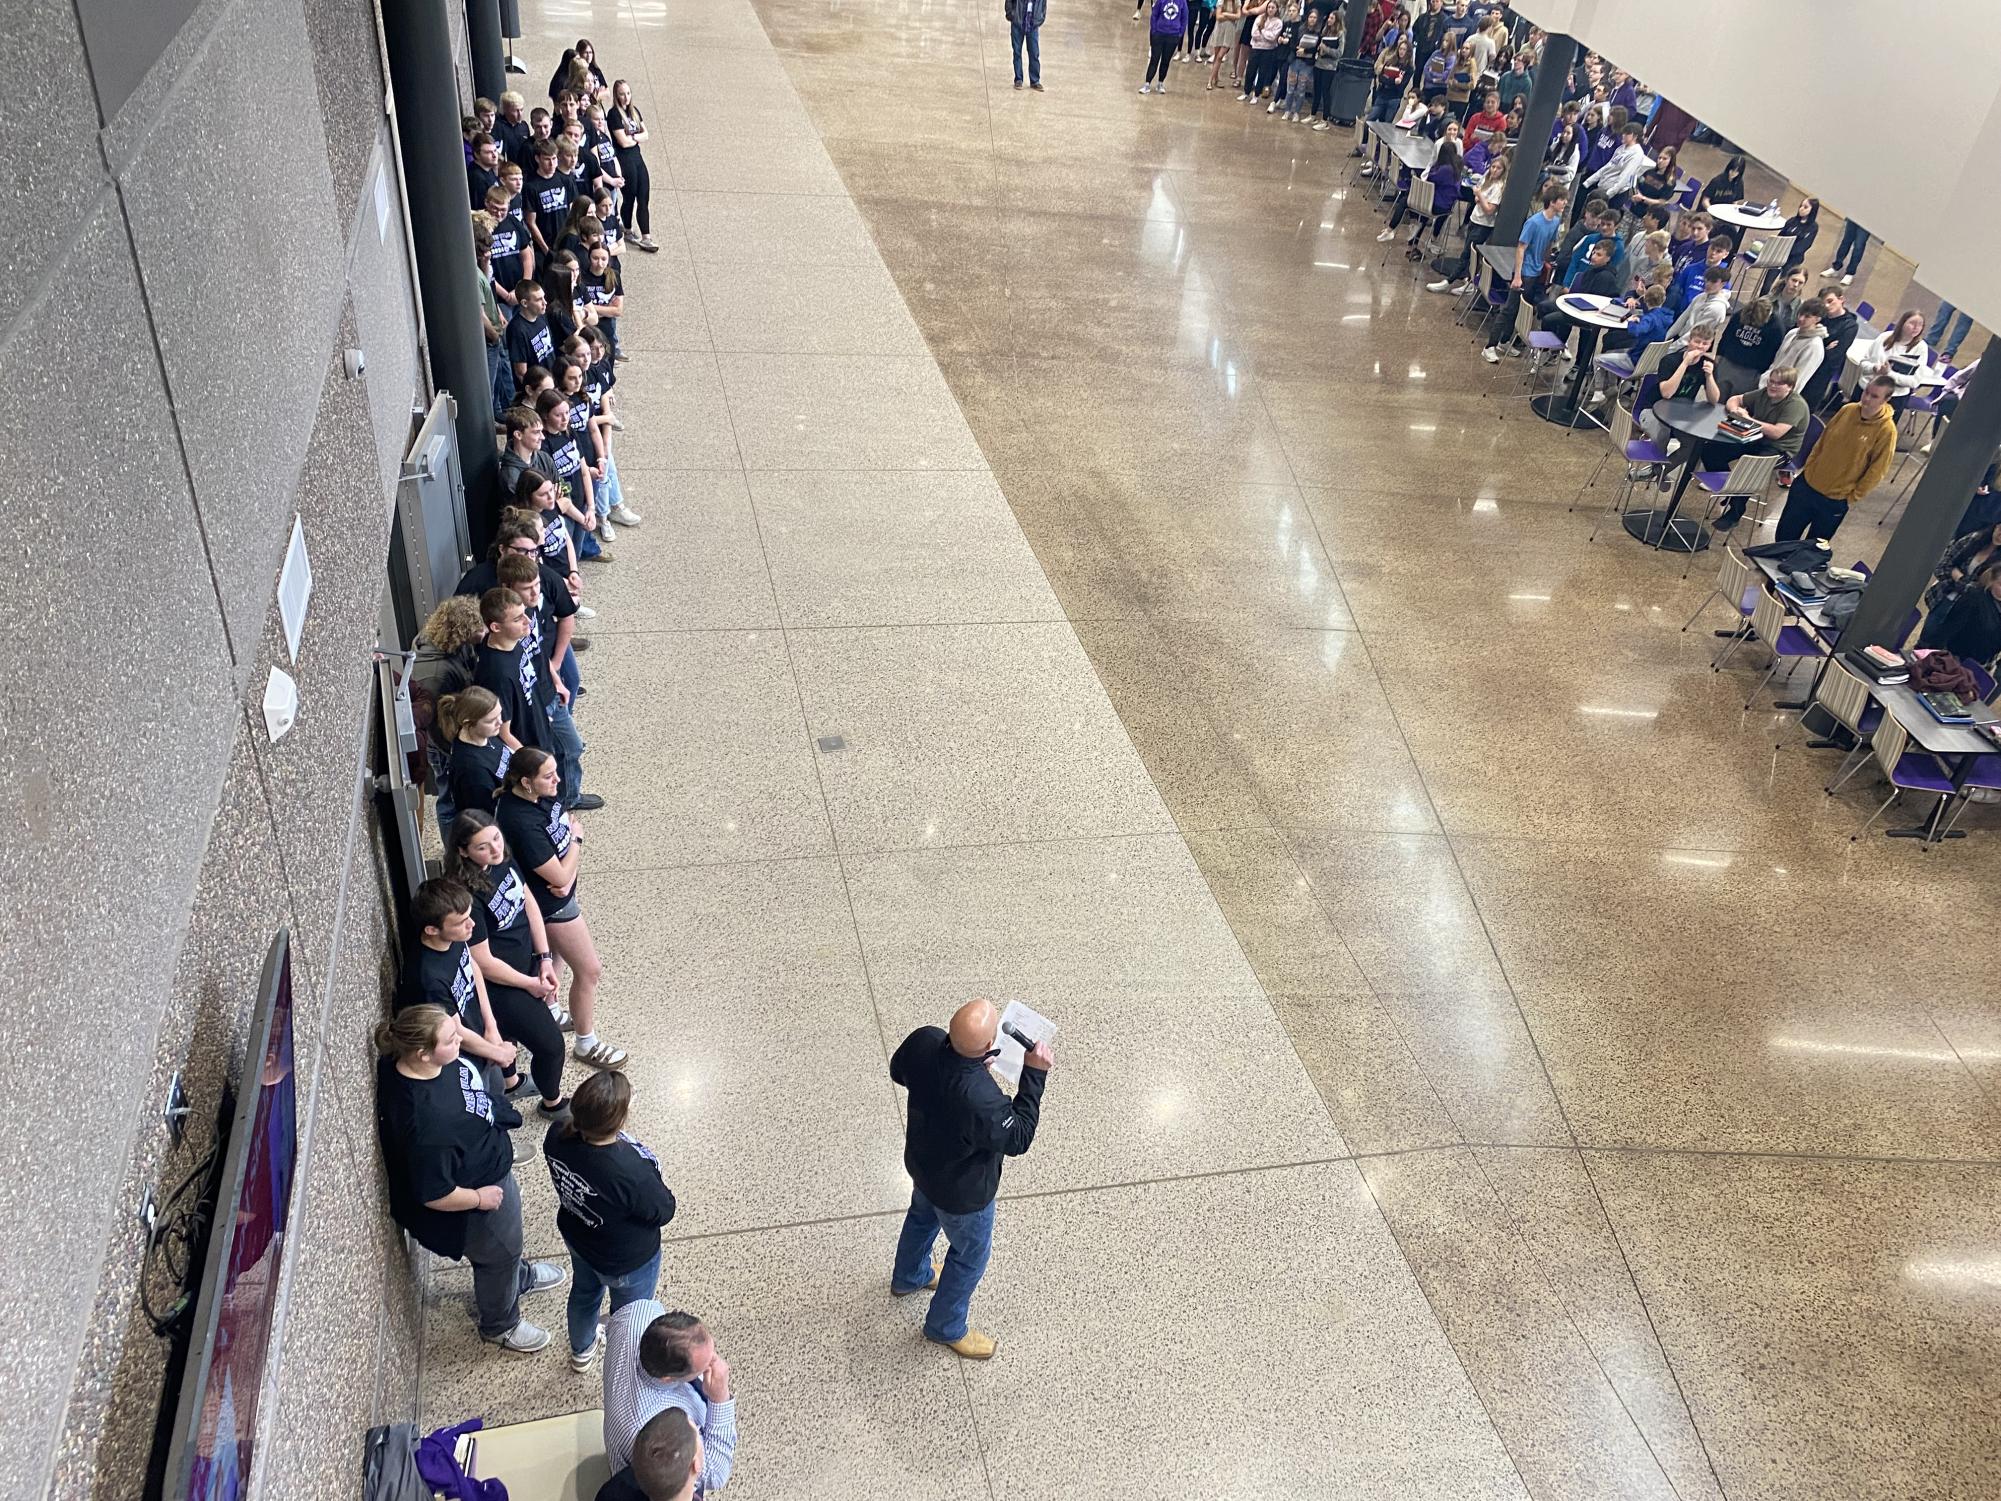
(1627, 446)
(1908, 771)
(1865, 311)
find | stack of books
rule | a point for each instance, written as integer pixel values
(1879, 664)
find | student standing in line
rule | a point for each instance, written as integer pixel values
(549, 850)
(1393, 68)
(1170, 20)
(546, 195)
(1266, 33)
(438, 971)
(450, 1168)
(469, 721)
(510, 949)
(1326, 63)
(628, 133)
(1235, 28)
(1299, 71)
(610, 1205)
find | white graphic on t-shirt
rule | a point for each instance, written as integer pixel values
(472, 1086)
(574, 1194)
(465, 991)
(509, 899)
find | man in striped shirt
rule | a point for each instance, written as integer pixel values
(655, 1360)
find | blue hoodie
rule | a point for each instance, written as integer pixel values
(1650, 326)
(1170, 17)
(1687, 285)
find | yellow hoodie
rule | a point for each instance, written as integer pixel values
(1854, 453)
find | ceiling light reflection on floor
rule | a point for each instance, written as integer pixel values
(1956, 1271)
(1601, 710)
(1531, 599)
(1873, 1050)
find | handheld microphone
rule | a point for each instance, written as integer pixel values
(1028, 1043)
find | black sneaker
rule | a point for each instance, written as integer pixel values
(587, 802)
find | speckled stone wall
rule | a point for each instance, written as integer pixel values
(195, 225)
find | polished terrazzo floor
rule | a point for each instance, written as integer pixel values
(1489, 1068)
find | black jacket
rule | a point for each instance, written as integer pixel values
(1840, 334)
(961, 1122)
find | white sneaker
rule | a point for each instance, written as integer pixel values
(606, 533)
(1828, 272)
(1848, 280)
(1515, 351)
(1386, 236)
(1272, 108)
(1161, 87)
(1491, 355)
(545, 1276)
(585, 612)
(1460, 288)
(1924, 448)
(524, 1339)
(1443, 284)
(1242, 97)
(624, 515)
(1145, 88)
(1320, 125)
(581, 1363)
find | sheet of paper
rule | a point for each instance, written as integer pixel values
(1029, 1021)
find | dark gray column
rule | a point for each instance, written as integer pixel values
(1538, 120)
(489, 54)
(421, 76)
(1351, 29)
(1958, 461)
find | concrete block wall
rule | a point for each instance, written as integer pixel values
(196, 228)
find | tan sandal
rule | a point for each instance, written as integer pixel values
(601, 1054)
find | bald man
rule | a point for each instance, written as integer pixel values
(961, 1125)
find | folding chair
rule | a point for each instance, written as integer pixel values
(1786, 642)
(1736, 581)
(1541, 346)
(1360, 145)
(1771, 257)
(1626, 449)
(1423, 196)
(1749, 477)
(1486, 294)
(1845, 694)
(1908, 771)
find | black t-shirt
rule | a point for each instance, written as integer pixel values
(500, 917)
(602, 149)
(433, 977)
(474, 773)
(617, 118)
(437, 1135)
(537, 833)
(569, 456)
(515, 678)
(546, 202)
(610, 1202)
(512, 136)
(478, 180)
(595, 290)
(530, 340)
(510, 238)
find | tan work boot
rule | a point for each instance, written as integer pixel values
(905, 1292)
(972, 1345)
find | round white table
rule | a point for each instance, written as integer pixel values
(1746, 217)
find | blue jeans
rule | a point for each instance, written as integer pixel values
(501, 373)
(1848, 254)
(969, 1237)
(610, 495)
(569, 750)
(1034, 36)
(1941, 345)
(588, 1287)
(572, 680)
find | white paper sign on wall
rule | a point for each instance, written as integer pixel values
(295, 587)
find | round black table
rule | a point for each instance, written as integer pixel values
(1697, 423)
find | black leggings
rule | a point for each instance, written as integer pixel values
(526, 1019)
(1162, 55)
(1323, 93)
(638, 193)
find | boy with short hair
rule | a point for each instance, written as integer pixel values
(546, 196)
(529, 340)
(513, 251)
(1532, 258)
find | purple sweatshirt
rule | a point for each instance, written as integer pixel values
(1170, 17)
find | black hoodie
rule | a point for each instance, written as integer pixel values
(1840, 334)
